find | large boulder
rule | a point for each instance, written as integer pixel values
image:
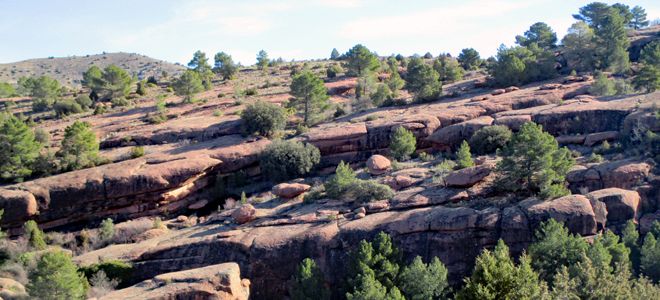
(624, 174)
(290, 190)
(12, 289)
(574, 211)
(244, 214)
(468, 176)
(622, 205)
(221, 282)
(378, 164)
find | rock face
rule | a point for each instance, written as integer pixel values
(221, 282)
(290, 190)
(268, 254)
(623, 174)
(378, 164)
(622, 205)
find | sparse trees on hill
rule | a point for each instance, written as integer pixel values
(225, 66)
(540, 34)
(80, 147)
(533, 162)
(18, 148)
(200, 64)
(310, 95)
(469, 59)
(188, 84)
(639, 18)
(423, 81)
(262, 60)
(360, 61)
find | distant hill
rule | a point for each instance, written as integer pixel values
(68, 70)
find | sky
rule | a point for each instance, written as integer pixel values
(292, 29)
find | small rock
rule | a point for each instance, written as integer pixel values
(181, 218)
(498, 92)
(511, 89)
(378, 164)
(290, 190)
(360, 209)
(469, 176)
(459, 197)
(550, 86)
(378, 206)
(244, 214)
(360, 215)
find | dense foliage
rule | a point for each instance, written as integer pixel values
(263, 118)
(423, 81)
(57, 277)
(284, 160)
(490, 138)
(402, 143)
(80, 147)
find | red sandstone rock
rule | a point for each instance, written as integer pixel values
(622, 205)
(469, 176)
(595, 138)
(498, 92)
(511, 89)
(378, 164)
(290, 190)
(244, 214)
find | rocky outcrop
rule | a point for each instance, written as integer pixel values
(153, 184)
(453, 135)
(623, 174)
(290, 190)
(469, 176)
(622, 205)
(221, 282)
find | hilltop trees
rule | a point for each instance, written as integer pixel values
(310, 95)
(360, 61)
(469, 59)
(613, 43)
(533, 162)
(80, 147)
(18, 148)
(225, 66)
(335, 54)
(521, 65)
(200, 64)
(423, 81)
(188, 84)
(113, 83)
(638, 18)
(540, 34)
(262, 60)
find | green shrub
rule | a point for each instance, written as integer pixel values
(263, 118)
(251, 91)
(56, 277)
(18, 148)
(367, 190)
(488, 139)
(66, 107)
(7, 90)
(84, 101)
(107, 229)
(99, 109)
(137, 151)
(463, 156)
(333, 70)
(284, 160)
(114, 269)
(423, 81)
(307, 283)
(602, 86)
(34, 235)
(402, 144)
(339, 183)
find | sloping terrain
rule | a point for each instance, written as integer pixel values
(68, 70)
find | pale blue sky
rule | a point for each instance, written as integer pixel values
(293, 29)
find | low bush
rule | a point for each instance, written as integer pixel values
(114, 269)
(84, 101)
(66, 107)
(402, 144)
(488, 139)
(284, 160)
(137, 151)
(367, 190)
(263, 118)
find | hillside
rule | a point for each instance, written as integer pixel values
(68, 70)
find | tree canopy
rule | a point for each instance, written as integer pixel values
(225, 66)
(18, 148)
(540, 34)
(310, 95)
(361, 61)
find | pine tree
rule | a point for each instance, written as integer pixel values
(540, 34)
(402, 143)
(262, 60)
(580, 47)
(423, 81)
(343, 178)
(56, 277)
(555, 248)
(19, 149)
(420, 281)
(360, 61)
(639, 18)
(650, 258)
(335, 54)
(533, 162)
(469, 59)
(612, 43)
(310, 95)
(80, 147)
(630, 237)
(448, 69)
(34, 235)
(307, 283)
(463, 156)
(374, 265)
(225, 66)
(188, 84)
(648, 79)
